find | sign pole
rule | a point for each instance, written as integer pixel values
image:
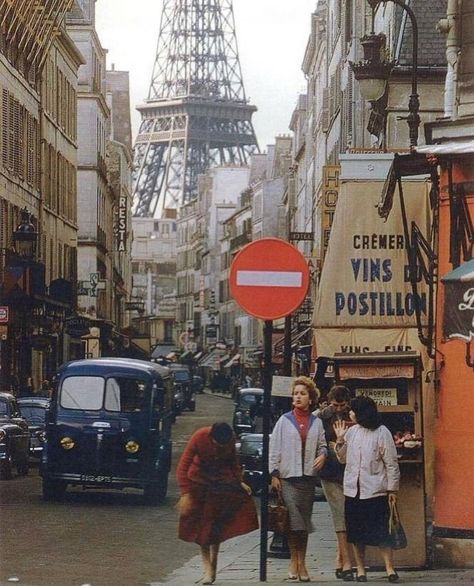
(267, 391)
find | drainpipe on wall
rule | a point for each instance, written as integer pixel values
(450, 26)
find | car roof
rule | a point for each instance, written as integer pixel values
(97, 365)
(252, 391)
(41, 401)
(7, 396)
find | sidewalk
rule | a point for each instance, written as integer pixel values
(239, 559)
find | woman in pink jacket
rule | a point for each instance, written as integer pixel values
(371, 480)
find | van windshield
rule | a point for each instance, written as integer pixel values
(91, 393)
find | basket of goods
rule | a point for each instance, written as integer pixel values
(408, 444)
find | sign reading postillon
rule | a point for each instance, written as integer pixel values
(459, 302)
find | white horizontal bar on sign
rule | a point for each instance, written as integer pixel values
(269, 278)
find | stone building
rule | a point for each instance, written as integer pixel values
(38, 84)
(95, 201)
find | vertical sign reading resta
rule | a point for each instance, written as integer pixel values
(121, 229)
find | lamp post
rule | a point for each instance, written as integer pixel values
(25, 239)
(374, 70)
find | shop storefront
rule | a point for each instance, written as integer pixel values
(366, 332)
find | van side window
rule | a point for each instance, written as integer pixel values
(126, 395)
(82, 392)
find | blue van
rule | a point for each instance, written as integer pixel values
(109, 426)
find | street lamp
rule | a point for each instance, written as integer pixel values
(374, 70)
(25, 236)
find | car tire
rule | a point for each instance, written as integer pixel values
(23, 467)
(6, 469)
(53, 490)
(155, 494)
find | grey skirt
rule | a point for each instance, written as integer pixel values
(298, 495)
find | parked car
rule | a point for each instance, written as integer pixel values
(198, 384)
(109, 426)
(34, 409)
(250, 449)
(14, 438)
(246, 403)
(183, 389)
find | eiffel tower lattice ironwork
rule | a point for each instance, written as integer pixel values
(196, 115)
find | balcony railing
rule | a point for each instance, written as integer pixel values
(240, 240)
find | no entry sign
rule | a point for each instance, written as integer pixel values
(269, 278)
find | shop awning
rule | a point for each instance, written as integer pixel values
(453, 147)
(212, 360)
(198, 355)
(233, 361)
(163, 350)
(375, 365)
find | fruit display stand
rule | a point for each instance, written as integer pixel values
(393, 380)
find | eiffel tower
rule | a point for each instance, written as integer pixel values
(196, 115)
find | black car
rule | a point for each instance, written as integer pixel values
(198, 384)
(247, 410)
(184, 391)
(34, 409)
(14, 438)
(250, 448)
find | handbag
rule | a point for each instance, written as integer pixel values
(398, 538)
(278, 518)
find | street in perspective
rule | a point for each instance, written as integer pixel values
(236, 292)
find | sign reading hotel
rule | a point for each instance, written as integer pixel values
(329, 200)
(366, 302)
(121, 227)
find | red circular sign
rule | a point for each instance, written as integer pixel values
(269, 278)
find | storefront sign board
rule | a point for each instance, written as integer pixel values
(383, 397)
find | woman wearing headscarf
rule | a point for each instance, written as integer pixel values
(297, 452)
(371, 481)
(215, 503)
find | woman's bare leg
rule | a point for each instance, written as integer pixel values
(293, 545)
(359, 554)
(387, 555)
(206, 560)
(301, 553)
(214, 554)
(344, 552)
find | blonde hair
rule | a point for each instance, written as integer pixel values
(313, 391)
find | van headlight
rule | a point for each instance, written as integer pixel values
(67, 443)
(132, 447)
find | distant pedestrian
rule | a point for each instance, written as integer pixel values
(371, 481)
(45, 389)
(248, 381)
(297, 452)
(332, 476)
(215, 503)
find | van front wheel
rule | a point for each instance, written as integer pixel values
(154, 494)
(53, 490)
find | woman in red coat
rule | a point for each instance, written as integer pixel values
(215, 504)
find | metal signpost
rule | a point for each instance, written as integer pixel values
(269, 279)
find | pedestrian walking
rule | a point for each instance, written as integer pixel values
(215, 503)
(371, 481)
(332, 476)
(297, 452)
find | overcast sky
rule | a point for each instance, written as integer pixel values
(272, 36)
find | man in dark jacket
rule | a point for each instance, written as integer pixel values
(332, 475)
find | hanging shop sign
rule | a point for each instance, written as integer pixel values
(383, 397)
(365, 280)
(301, 236)
(121, 224)
(458, 319)
(331, 184)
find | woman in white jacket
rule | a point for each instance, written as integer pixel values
(297, 452)
(371, 481)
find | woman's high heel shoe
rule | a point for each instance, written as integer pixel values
(208, 580)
